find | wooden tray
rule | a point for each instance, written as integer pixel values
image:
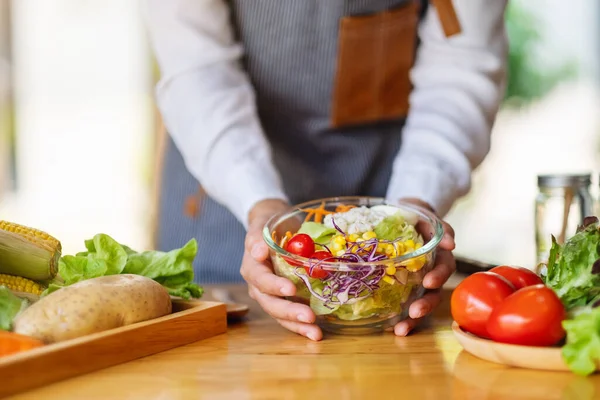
(190, 321)
(542, 358)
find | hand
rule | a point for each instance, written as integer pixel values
(267, 288)
(433, 281)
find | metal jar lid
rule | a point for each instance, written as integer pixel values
(565, 180)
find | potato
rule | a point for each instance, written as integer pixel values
(94, 305)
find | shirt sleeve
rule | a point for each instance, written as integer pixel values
(458, 88)
(208, 105)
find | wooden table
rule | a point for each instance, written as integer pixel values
(257, 359)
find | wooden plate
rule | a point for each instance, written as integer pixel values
(190, 322)
(543, 358)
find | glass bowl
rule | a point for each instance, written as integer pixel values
(356, 297)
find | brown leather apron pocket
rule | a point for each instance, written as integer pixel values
(375, 55)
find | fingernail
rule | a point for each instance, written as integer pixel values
(302, 318)
(312, 336)
(422, 312)
(401, 331)
(285, 291)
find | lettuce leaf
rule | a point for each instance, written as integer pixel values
(395, 226)
(10, 307)
(582, 349)
(318, 232)
(570, 270)
(388, 298)
(105, 256)
(285, 270)
(320, 308)
(173, 270)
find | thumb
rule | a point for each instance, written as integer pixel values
(255, 244)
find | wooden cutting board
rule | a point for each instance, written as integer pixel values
(190, 321)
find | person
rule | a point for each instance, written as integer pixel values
(276, 102)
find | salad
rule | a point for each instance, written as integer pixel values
(366, 279)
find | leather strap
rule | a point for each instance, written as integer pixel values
(448, 17)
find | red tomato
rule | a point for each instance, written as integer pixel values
(317, 271)
(301, 245)
(520, 277)
(474, 299)
(531, 316)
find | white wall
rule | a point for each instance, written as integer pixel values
(561, 133)
(82, 87)
(572, 30)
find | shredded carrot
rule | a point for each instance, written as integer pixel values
(273, 236)
(344, 208)
(316, 213)
(309, 215)
(288, 235)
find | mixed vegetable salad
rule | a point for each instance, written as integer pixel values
(558, 308)
(364, 241)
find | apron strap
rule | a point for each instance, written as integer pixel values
(448, 17)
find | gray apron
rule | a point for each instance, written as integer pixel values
(308, 61)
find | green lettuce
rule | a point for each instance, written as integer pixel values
(173, 270)
(319, 307)
(10, 306)
(582, 349)
(395, 226)
(105, 256)
(286, 270)
(318, 232)
(388, 298)
(361, 309)
(570, 270)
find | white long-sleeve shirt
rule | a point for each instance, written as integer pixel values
(208, 104)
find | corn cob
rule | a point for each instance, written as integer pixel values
(28, 252)
(20, 284)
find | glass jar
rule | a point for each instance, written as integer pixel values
(563, 201)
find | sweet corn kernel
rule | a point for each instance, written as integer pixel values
(340, 253)
(20, 284)
(389, 279)
(399, 248)
(390, 270)
(381, 248)
(337, 247)
(416, 264)
(410, 243)
(418, 246)
(359, 240)
(353, 237)
(340, 240)
(389, 251)
(369, 235)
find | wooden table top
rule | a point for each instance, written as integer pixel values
(257, 359)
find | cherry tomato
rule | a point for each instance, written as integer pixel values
(520, 277)
(317, 271)
(531, 316)
(301, 245)
(474, 299)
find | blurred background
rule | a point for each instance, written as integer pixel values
(79, 132)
